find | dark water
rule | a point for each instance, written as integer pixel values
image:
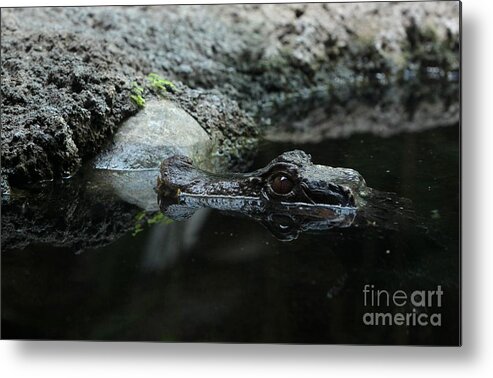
(219, 278)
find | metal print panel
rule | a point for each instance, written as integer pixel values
(247, 173)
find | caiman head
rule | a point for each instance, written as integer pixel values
(290, 189)
(291, 178)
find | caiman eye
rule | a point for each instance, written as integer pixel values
(282, 184)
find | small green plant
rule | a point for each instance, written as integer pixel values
(136, 95)
(159, 218)
(142, 220)
(154, 83)
(159, 84)
(139, 223)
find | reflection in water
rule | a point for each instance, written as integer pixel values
(285, 224)
(166, 244)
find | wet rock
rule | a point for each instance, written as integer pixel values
(5, 187)
(160, 130)
(234, 132)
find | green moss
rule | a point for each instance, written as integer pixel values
(144, 219)
(154, 84)
(136, 95)
(159, 218)
(160, 85)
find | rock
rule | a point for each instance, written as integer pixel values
(160, 130)
(5, 190)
